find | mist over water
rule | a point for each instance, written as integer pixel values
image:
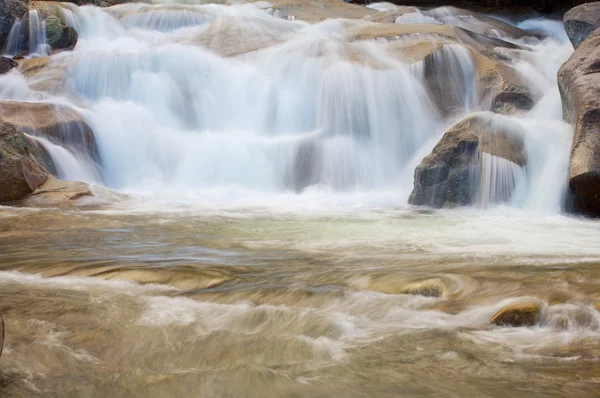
(265, 246)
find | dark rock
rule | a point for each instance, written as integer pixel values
(6, 64)
(579, 84)
(67, 39)
(20, 173)
(518, 315)
(449, 175)
(581, 21)
(9, 11)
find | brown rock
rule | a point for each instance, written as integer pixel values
(447, 177)
(20, 173)
(579, 84)
(55, 192)
(56, 123)
(318, 10)
(518, 315)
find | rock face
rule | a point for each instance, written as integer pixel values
(20, 173)
(518, 315)
(579, 84)
(9, 10)
(59, 36)
(449, 175)
(6, 64)
(581, 21)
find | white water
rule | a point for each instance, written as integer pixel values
(174, 113)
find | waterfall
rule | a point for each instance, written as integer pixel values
(203, 98)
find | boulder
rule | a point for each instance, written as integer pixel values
(581, 21)
(20, 173)
(59, 36)
(59, 124)
(579, 84)
(6, 64)
(449, 175)
(55, 192)
(9, 11)
(518, 315)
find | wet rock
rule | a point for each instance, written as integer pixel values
(55, 192)
(448, 176)
(57, 123)
(500, 88)
(20, 173)
(518, 315)
(579, 84)
(429, 288)
(9, 11)
(317, 10)
(6, 64)
(581, 21)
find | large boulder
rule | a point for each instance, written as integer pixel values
(59, 36)
(449, 175)
(20, 173)
(579, 84)
(9, 11)
(581, 21)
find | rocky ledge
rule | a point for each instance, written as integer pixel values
(579, 84)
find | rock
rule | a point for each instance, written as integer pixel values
(317, 10)
(579, 84)
(448, 176)
(429, 288)
(55, 192)
(581, 21)
(9, 11)
(500, 88)
(6, 64)
(518, 315)
(57, 123)
(67, 39)
(20, 173)
(597, 305)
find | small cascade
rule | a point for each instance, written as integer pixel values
(498, 180)
(15, 43)
(37, 34)
(67, 164)
(450, 75)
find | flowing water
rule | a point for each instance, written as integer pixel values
(262, 246)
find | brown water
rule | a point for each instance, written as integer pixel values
(191, 303)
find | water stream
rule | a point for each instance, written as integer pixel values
(264, 245)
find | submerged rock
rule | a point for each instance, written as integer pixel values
(518, 315)
(449, 175)
(20, 173)
(579, 84)
(581, 21)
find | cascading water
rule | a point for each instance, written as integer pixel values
(197, 98)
